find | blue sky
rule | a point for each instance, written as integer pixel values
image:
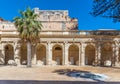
(77, 9)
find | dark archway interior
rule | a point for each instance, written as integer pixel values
(41, 54)
(23, 54)
(106, 54)
(57, 56)
(73, 55)
(89, 55)
(9, 53)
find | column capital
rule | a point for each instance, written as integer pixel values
(113, 45)
(65, 42)
(48, 42)
(17, 46)
(116, 42)
(83, 45)
(82, 42)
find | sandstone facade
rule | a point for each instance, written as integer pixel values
(60, 43)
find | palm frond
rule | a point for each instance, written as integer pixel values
(27, 25)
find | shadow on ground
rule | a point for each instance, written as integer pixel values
(52, 82)
(67, 71)
(81, 74)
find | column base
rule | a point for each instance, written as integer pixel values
(17, 61)
(66, 64)
(82, 64)
(117, 64)
(49, 62)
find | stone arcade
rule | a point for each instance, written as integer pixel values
(60, 43)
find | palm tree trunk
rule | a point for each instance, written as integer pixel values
(29, 54)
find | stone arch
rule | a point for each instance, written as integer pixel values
(57, 55)
(41, 54)
(9, 53)
(73, 54)
(23, 54)
(89, 54)
(106, 53)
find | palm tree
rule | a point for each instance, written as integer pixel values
(28, 28)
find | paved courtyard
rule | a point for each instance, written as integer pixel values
(56, 74)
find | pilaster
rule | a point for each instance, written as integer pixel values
(79, 60)
(99, 54)
(66, 53)
(117, 53)
(34, 58)
(82, 54)
(49, 54)
(2, 58)
(113, 55)
(17, 53)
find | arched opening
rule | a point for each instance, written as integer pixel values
(57, 55)
(89, 55)
(41, 54)
(106, 54)
(23, 54)
(73, 55)
(9, 53)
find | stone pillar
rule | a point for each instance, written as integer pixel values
(79, 60)
(2, 58)
(34, 59)
(66, 62)
(49, 54)
(96, 56)
(82, 54)
(63, 55)
(117, 54)
(17, 53)
(2, 54)
(113, 55)
(99, 54)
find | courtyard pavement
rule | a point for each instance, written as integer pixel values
(55, 75)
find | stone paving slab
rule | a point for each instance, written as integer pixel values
(52, 73)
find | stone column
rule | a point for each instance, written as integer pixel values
(96, 56)
(79, 60)
(99, 54)
(113, 55)
(82, 54)
(49, 54)
(66, 53)
(63, 55)
(2, 58)
(117, 54)
(34, 59)
(17, 53)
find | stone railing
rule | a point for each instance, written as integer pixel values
(84, 33)
(67, 33)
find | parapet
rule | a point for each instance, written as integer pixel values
(7, 25)
(56, 20)
(52, 20)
